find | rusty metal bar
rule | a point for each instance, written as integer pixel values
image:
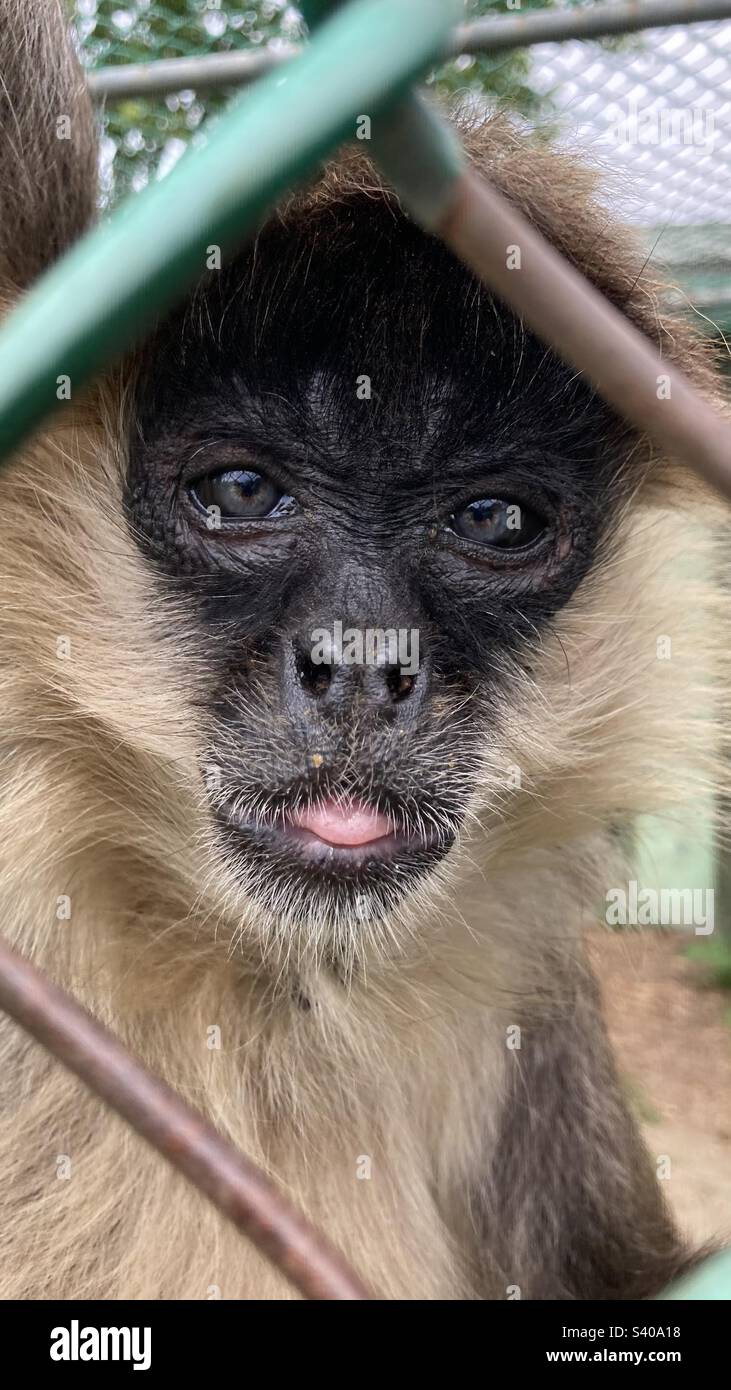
(487, 35)
(423, 157)
(230, 1181)
(207, 73)
(565, 310)
(216, 70)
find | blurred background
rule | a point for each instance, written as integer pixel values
(652, 111)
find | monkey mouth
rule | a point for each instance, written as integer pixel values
(337, 840)
(352, 835)
(336, 825)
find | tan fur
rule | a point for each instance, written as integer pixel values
(405, 1066)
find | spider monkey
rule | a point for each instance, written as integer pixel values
(340, 905)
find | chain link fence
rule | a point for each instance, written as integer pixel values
(656, 116)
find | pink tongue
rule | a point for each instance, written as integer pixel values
(343, 825)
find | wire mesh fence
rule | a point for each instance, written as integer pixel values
(658, 111)
(655, 115)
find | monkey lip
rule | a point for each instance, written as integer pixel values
(337, 838)
(346, 825)
(342, 836)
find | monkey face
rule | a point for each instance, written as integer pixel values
(375, 492)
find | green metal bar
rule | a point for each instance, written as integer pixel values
(109, 288)
(711, 1280)
(314, 11)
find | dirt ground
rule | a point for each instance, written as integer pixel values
(672, 1036)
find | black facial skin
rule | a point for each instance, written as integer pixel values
(388, 512)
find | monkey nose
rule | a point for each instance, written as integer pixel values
(384, 684)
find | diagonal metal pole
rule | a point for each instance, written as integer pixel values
(362, 59)
(92, 306)
(423, 157)
(107, 290)
(230, 1181)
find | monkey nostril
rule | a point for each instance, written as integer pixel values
(400, 684)
(380, 683)
(314, 678)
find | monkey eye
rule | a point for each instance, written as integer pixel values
(240, 494)
(495, 521)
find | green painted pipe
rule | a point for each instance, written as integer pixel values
(98, 300)
(314, 11)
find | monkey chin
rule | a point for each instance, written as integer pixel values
(314, 887)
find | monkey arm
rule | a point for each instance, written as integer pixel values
(570, 1207)
(48, 171)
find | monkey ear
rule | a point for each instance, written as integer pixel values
(48, 143)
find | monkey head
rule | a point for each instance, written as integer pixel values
(374, 491)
